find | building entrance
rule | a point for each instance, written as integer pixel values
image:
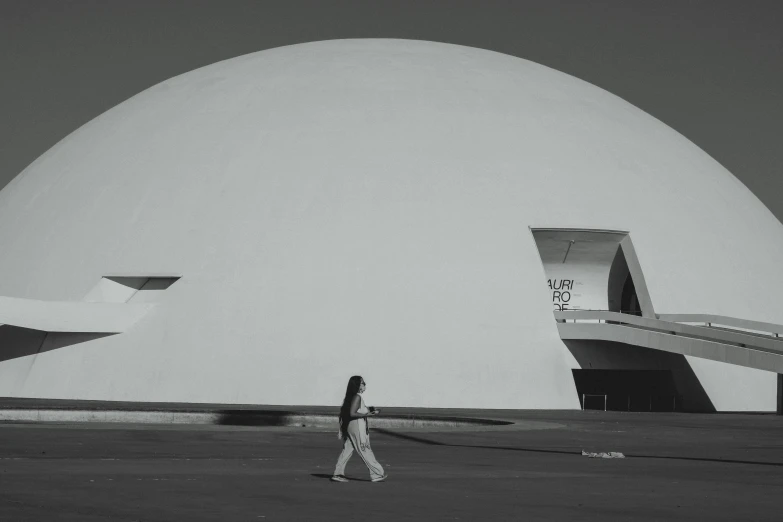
(629, 302)
(627, 390)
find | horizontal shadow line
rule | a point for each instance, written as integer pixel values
(422, 440)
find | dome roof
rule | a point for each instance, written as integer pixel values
(363, 206)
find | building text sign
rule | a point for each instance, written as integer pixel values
(562, 292)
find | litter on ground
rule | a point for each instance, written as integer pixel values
(603, 455)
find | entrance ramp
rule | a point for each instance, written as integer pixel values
(730, 340)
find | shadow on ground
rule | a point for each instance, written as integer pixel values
(327, 476)
(422, 440)
(254, 418)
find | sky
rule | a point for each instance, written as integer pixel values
(712, 70)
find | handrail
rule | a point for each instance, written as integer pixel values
(768, 344)
(709, 320)
(722, 320)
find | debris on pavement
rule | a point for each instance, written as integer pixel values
(603, 455)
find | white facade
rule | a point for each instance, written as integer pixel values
(364, 207)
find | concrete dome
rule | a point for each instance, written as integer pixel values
(364, 207)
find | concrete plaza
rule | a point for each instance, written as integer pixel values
(677, 467)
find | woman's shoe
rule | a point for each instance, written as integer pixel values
(379, 479)
(339, 478)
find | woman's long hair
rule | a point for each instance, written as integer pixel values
(354, 383)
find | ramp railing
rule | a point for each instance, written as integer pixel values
(735, 341)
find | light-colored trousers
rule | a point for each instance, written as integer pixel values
(358, 440)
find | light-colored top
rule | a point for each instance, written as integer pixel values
(362, 410)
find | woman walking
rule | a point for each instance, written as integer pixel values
(355, 433)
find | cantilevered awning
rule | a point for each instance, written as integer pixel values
(70, 316)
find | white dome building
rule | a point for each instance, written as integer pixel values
(258, 230)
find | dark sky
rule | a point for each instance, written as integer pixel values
(712, 70)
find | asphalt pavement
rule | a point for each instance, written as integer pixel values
(717, 467)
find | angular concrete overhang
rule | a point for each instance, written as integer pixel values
(591, 267)
(70, 316)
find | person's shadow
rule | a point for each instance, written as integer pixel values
(326, 476)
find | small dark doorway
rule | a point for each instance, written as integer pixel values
(627, 390)
(629, 302)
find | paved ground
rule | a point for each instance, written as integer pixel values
(679, 467)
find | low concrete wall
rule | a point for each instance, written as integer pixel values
(231, 418)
